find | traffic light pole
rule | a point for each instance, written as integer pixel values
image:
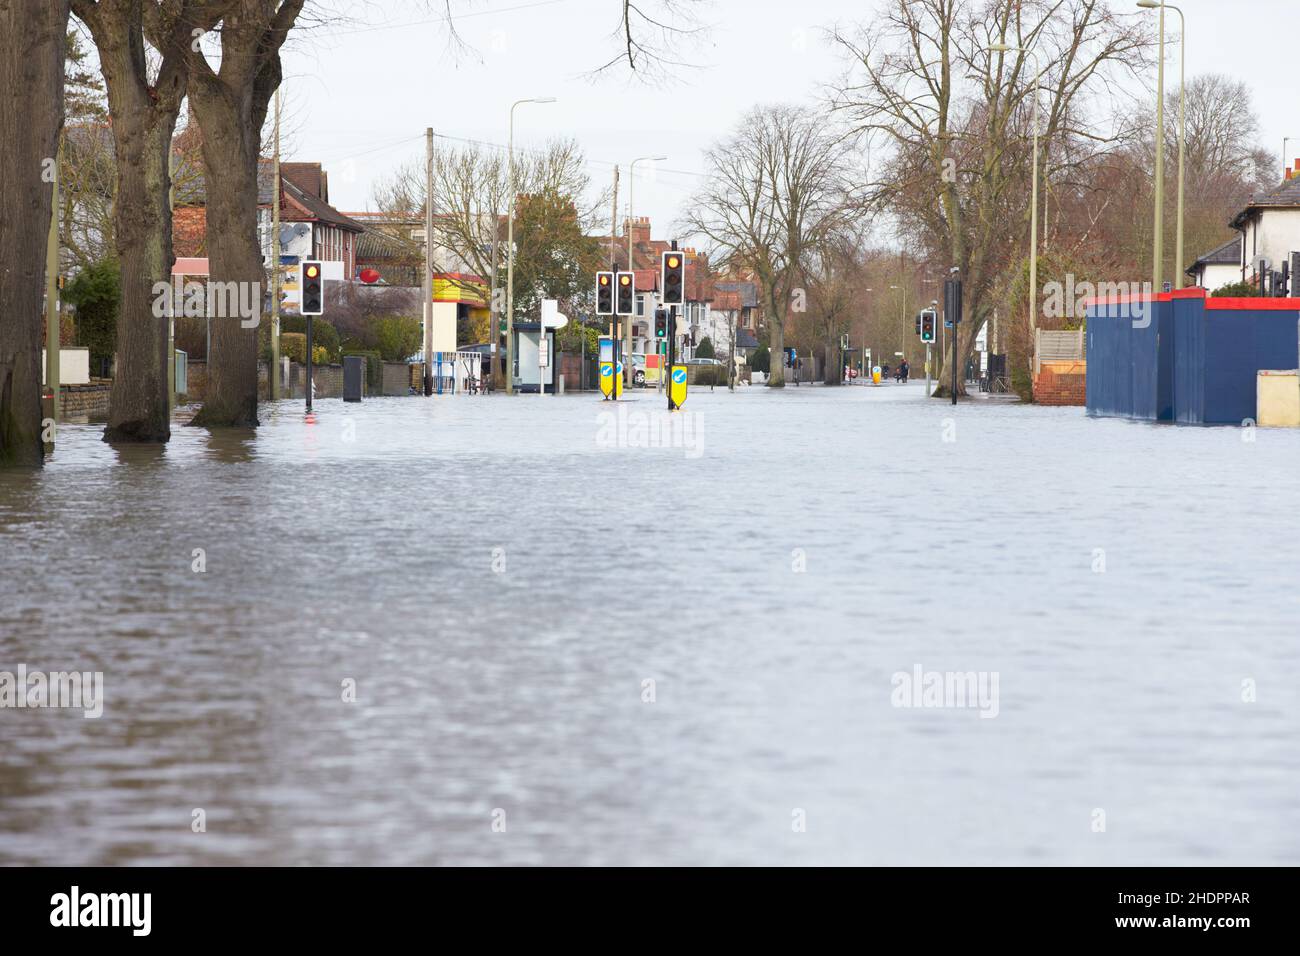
(672, 351)
(927, 369)
(309, 363)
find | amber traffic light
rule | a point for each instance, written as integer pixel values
(604, 293)
(313, 292)
(626, 294)
(674, 275)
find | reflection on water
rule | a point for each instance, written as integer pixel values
(498, 586)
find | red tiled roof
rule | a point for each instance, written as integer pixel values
(728, 301)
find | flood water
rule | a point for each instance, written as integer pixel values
(499, 578)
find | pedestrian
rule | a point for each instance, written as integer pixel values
(903, 371)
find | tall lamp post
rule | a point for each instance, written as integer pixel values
(902, 307)
(631, 188)
(1182, 122)
(866, 371)
(1033, 213)
(510, 249)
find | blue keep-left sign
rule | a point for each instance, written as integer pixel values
(679, 375)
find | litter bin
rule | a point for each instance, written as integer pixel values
(354, 377)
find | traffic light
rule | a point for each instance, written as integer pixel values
(927, 320)
(661, 323)
(918, 323)
(604, 293)
(626, 294)
(674, 278)
(312, 283)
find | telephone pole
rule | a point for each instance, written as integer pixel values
(52, 297)
(428, 261)
(613, 266)
(275, 261)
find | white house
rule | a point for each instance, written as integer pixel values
(1270, 227)
(1218, 267)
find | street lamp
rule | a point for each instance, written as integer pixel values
(902, 308)
(1182, 124)
(1158, 239)
(510, 251)
(631, 188)
(866, 372)
(1033, 215)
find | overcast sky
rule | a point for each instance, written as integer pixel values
(362, 93)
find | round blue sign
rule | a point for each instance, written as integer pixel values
(679, 375)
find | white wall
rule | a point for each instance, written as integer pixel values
(1275, 234)
(444, 327)
(1214, 276)
(74, 367)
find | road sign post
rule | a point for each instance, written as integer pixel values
(677, 386)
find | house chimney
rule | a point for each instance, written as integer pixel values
(639, 226)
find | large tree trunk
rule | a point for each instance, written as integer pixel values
(33, 40)
(776, 338)
(138, 405)
(966, 333)
(143, 120)
(231, 106)
(231, 143)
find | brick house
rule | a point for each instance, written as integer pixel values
(310, 228)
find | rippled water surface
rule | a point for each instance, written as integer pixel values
(501, 576)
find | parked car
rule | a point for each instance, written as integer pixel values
(703, 361)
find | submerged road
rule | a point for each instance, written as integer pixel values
(824, 625)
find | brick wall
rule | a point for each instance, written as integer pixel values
(189, 231)
(84, 401)
(1061, 383)
(396, 379)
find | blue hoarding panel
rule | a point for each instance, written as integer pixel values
(1191, 364)
(1188, 359)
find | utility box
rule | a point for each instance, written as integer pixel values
(1277, 400)
(354, 377)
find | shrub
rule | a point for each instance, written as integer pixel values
(1237, 290)
(397, 337)
(323, 334)
(760, 360)
(294, 345)
(704, 349)
(95, 293)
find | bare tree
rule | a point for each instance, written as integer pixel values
(957, 117)
(654, 36)
(33, 38)
(230, 104)
(776, 192)
(470, 186)
(833, 275)
(144, 108)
